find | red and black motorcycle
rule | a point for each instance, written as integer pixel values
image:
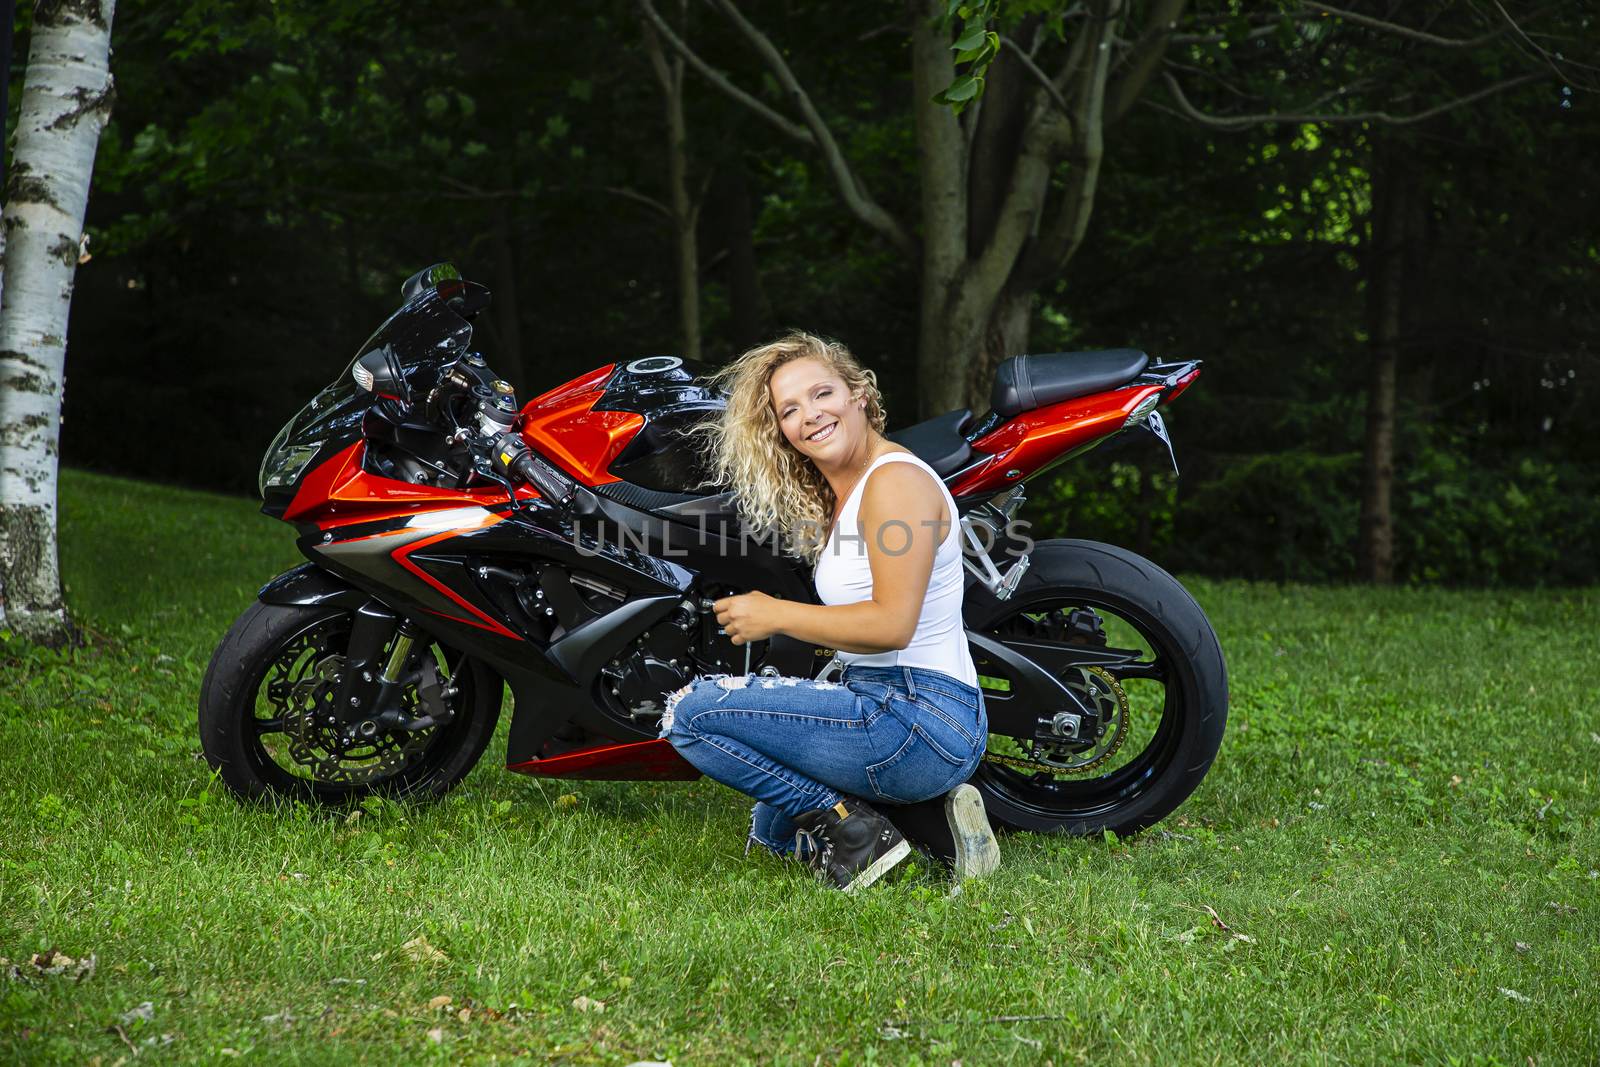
(568, 549)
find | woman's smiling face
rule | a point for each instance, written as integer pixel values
(815, 410)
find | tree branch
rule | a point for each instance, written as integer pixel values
(1243, 122)
(638, 197)
(1398, 30)
(854, 191)
(1543, 55)
(1214, 38)
(1144, 59)
(720, 80)
(1066, 231)
(1040, 76)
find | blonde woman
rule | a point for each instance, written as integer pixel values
(802, 446)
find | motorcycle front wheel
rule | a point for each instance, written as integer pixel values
(267, 697)
(1165, 708)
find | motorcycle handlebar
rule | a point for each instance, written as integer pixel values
(517, 459)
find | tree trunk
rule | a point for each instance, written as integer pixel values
(5, 111)
(1392, 193)
(507, 308)
(685, 213)
(947, 331)
(65, 102)
(1007, 335)
(737, 222)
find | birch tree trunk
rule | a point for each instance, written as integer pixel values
(65, 102)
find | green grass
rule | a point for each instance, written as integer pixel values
(1400, 834)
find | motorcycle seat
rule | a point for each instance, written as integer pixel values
(939, 441)
(1023, 383)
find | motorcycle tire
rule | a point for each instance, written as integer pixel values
(1135, 794)
(232, 737)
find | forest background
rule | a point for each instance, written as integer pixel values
(271, 172)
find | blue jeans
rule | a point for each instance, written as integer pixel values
(893, 735)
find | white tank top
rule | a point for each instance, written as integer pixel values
(844, 576)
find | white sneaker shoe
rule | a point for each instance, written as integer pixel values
(977, 852)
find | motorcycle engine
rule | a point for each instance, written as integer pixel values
(634, 685)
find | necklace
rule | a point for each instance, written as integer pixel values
(840, 498)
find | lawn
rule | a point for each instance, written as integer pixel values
(1395, 858)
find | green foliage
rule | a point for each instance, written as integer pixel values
(1523, 521)
(273, 170)
(975, 46)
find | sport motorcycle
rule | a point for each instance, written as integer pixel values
(460, 544)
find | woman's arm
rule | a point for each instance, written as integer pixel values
(903, 518)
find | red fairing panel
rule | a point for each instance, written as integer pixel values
(563, 426)
(340, 492)
(1033, 439)
(634, 761)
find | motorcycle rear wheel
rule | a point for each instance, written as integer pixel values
(246, 729)
(1176, 741)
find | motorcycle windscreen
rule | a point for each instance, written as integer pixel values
(420, 338)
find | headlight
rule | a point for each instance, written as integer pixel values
(284, 465)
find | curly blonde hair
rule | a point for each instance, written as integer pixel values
(775, 488)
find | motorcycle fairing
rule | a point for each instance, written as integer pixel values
(1034, 441)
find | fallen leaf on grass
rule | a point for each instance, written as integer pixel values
(465, 1015)
(567, 800)
(436, 1035)
(586, 1004)
(420, 951)
(1560, 909)
(439, 1001)
(1522, 947)
(143, 1013)
(55, 962)
(1512, 994)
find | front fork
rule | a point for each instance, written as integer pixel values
(368, 700)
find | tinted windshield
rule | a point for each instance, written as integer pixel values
(423, 336)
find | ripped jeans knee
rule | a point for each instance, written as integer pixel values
(728, 682)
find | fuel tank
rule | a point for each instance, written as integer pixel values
(625, 423)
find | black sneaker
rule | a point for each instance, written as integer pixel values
(850, 844)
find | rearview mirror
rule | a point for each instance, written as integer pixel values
(428, 278)
(378, 373)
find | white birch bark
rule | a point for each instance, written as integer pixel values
(65, 102)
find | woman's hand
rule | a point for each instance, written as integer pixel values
(749, 617)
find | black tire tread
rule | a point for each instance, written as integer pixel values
(1091, 565)
(238, 662)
